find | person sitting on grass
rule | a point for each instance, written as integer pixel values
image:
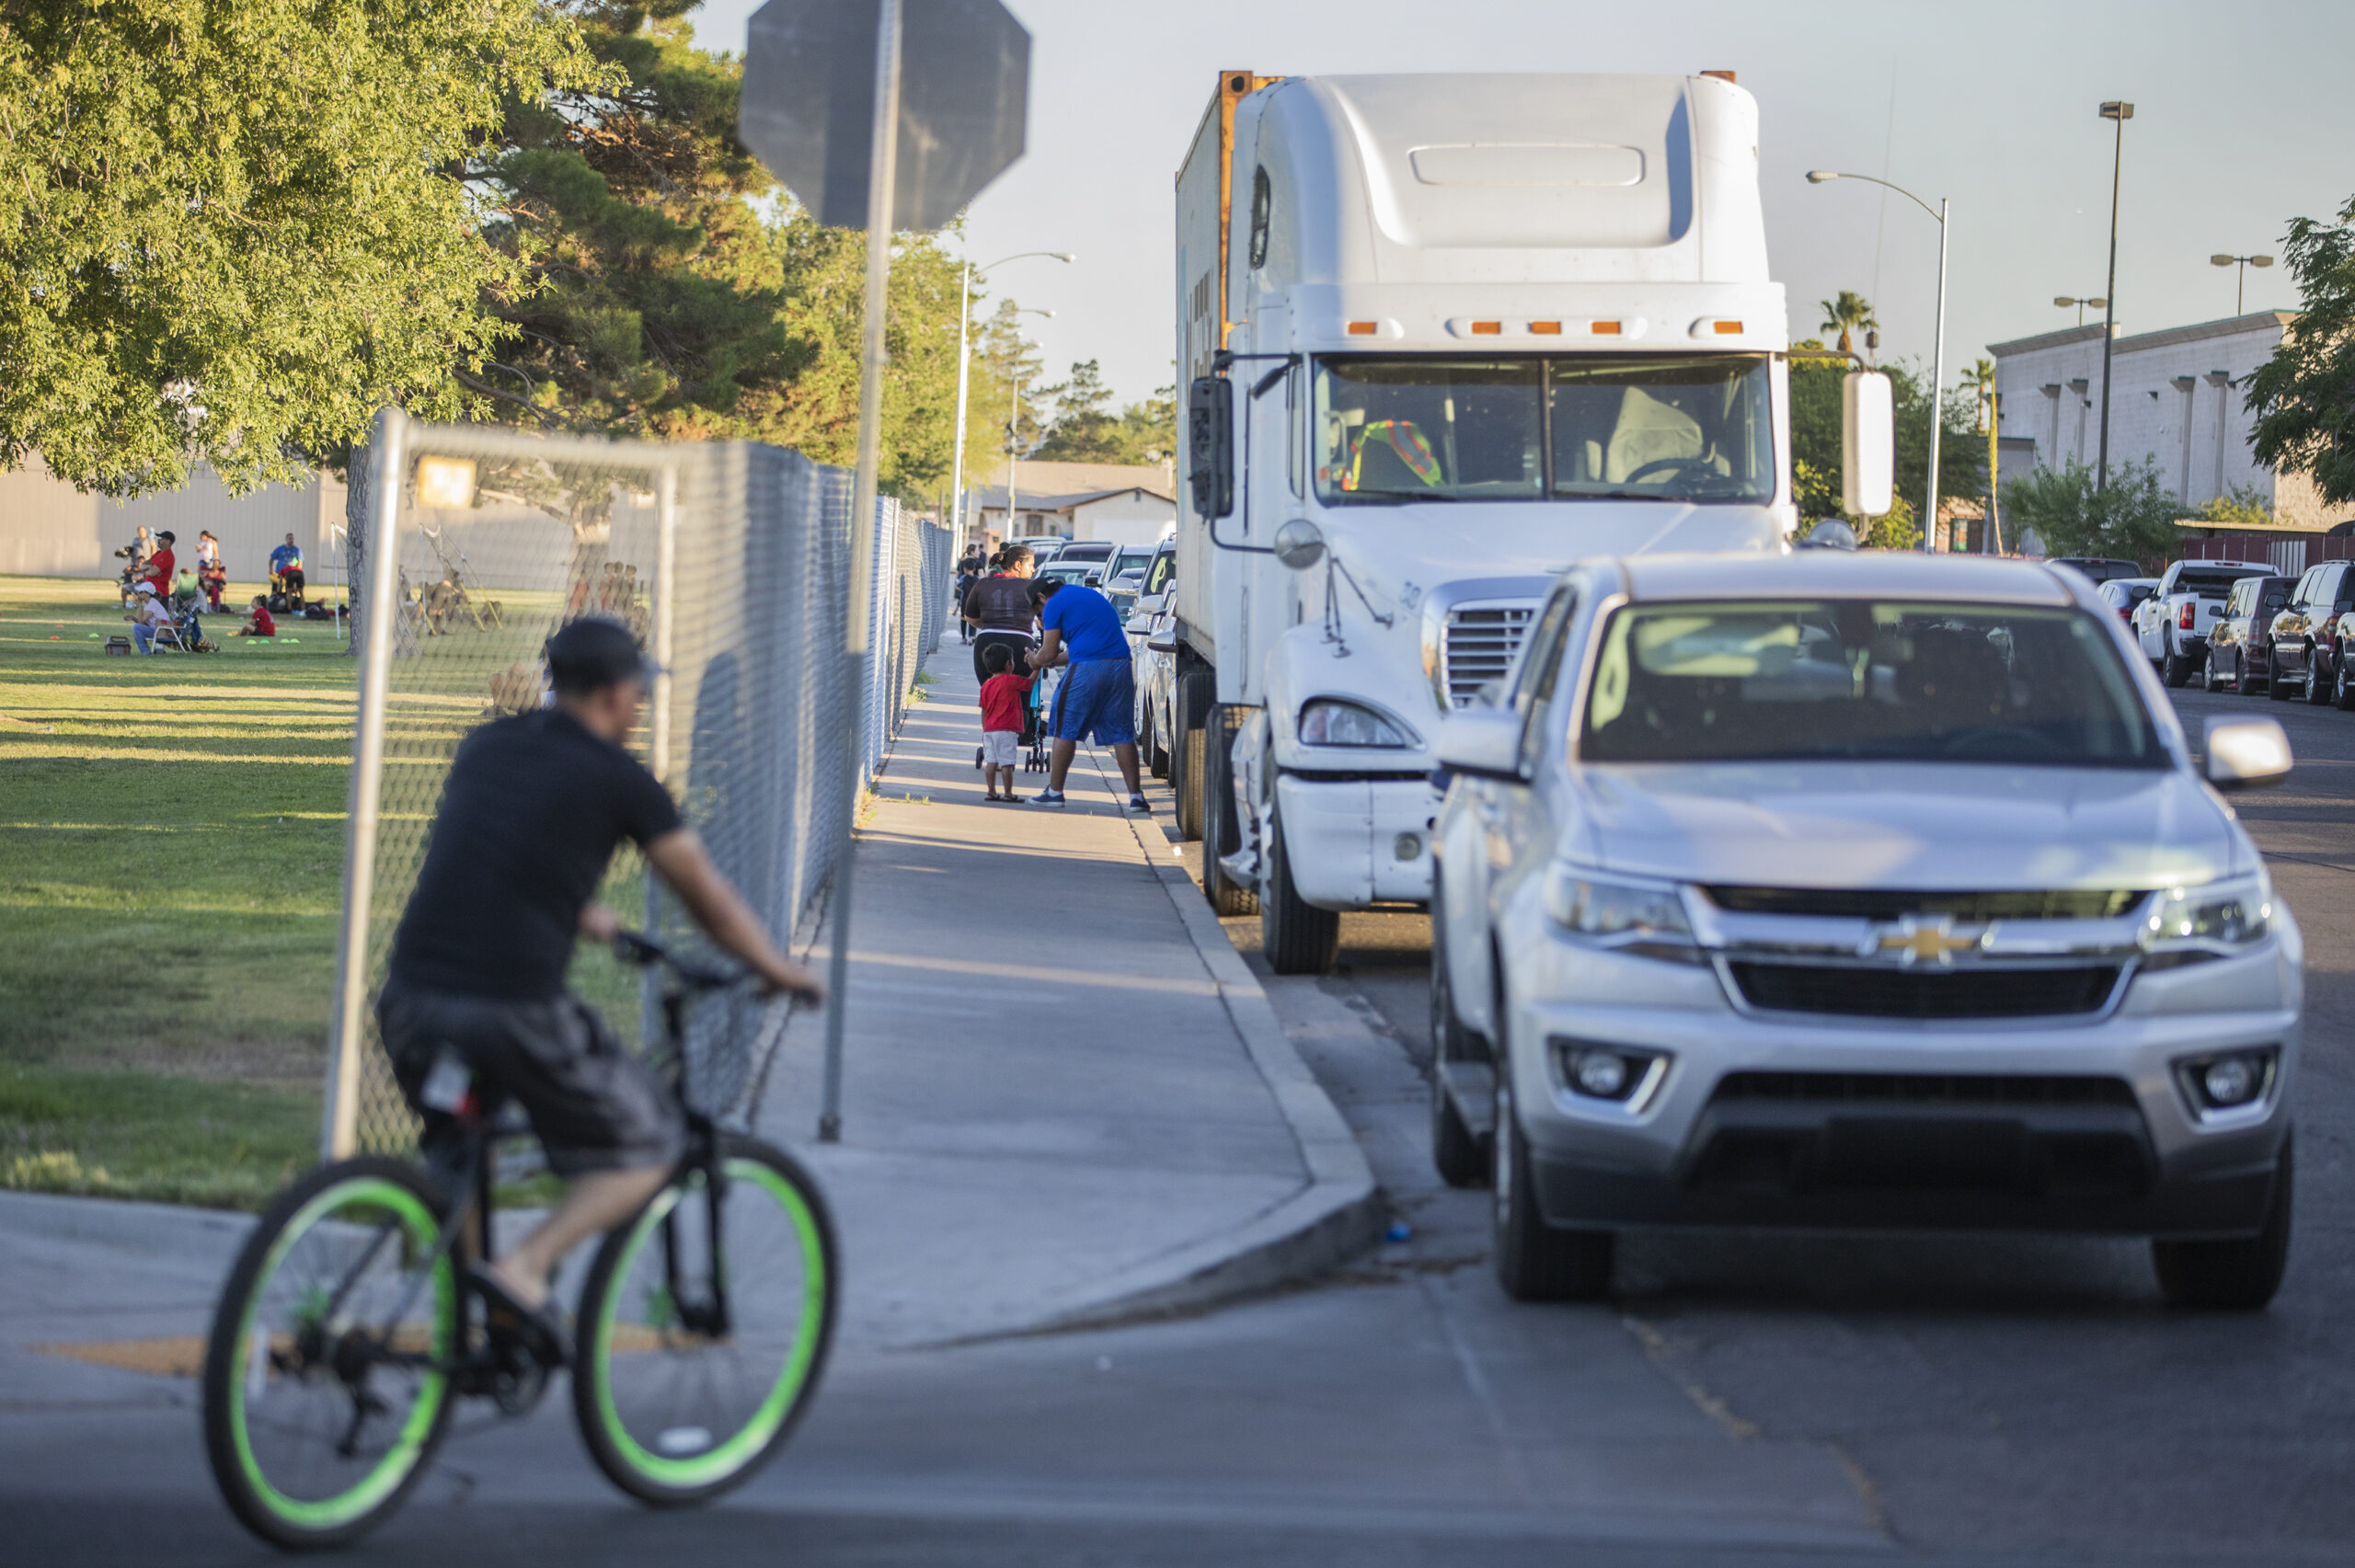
(258, 623)
(150, 616)
(1002, 717)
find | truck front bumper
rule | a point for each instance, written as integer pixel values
(1351, 841)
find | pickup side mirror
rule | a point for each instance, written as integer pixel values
(1481, 743)
(1868, 444)
(1209, 445)
(2246, 753)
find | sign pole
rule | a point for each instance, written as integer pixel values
(881, 184)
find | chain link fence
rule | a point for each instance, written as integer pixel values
(730, 562)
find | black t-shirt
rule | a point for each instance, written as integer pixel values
(1001, 604)
(532, 812)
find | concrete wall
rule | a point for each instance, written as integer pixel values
(1130, 518)
(50, 529)
(2172, 399)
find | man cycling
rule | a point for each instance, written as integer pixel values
(532, 812)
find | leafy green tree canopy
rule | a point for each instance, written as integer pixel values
(2304, 397)
(236, 229)
(1085, 429)
(2135, 519)
(1815, 443)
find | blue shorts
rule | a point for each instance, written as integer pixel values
(1096, 700)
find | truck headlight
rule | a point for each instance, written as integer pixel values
(1329, 721)
(2186, 925)
(1627, 913)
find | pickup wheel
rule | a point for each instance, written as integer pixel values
(2231, 1276)
(1461, 1159)
(2316, 692)
(1298, 937)
(1535, 1262)
(2176, 669)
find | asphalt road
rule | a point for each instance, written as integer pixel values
(1740, 1401)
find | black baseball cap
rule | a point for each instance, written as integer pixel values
(593, 653)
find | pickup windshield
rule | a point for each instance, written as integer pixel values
(1854, 680)
(1671, 428)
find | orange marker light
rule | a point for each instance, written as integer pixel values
(1603, 329)
(1728, 329)
(1545, 328)
(1487, 329)
(1362, 328)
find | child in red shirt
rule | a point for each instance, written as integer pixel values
(258, 624)
(1002, 696)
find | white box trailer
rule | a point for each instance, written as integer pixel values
(1445, 334)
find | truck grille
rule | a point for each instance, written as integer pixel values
(1481, 642)
(1924, 1088)
(1863, 991)
(1889, 904)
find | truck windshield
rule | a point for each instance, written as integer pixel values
(1674, 427)
(1854, 680)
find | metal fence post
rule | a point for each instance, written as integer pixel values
(666, 557)
(340, 1116)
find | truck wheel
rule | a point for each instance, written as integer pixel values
(1535, 1261)
(1460, 1157)
(2316, 693)
(1196, 689)
(2177, 669)
(2342, 694)
(2276, 688)
(1298, 937)
(1221, 835)
(2231, 1276)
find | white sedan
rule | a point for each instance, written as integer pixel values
(1857, 891)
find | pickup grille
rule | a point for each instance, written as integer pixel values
(1889, 904)
(1924, 1088)
(1868, 991)
(1481, 642)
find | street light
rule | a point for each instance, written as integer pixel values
(2118, 113)
(964, 320)
(1014, 425)
(1939, 339)
(2065, 300)
(2240, 284)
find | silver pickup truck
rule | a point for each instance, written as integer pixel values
(2173, 623)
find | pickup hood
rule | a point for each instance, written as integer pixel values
(1938, 827)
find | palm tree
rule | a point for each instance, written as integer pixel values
(1850, 313)
(1981, 378)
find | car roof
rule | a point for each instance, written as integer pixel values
(1840, 574)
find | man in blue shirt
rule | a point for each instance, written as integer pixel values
(1097, 698)
(286, 572)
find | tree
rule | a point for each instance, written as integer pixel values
(1086, 431)
(1815, 435)
(2133, 519)
(234, 231)
(1851, 312)
(1979, 381)
(1010, 370)
(2304, 397)
(2243, 506)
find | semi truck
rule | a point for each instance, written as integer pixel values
(1443, 335)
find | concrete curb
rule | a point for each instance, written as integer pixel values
(1338, 1215)
(157, 1229)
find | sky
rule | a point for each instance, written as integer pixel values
(2243, 120)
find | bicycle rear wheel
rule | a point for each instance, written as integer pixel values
(325, 1382)
(676, 1404)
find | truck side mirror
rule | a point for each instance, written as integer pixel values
(1868, 444)
(1209, 445)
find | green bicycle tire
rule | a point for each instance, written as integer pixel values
(252, 1495)
(728, 1458)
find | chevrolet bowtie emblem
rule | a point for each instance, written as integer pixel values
(1917, 942)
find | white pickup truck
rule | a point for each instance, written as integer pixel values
(2173, 623)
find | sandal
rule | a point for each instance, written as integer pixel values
(542, 1330)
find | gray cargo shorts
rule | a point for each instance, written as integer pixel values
(594, 1105)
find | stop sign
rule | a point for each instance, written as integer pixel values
(809, 103)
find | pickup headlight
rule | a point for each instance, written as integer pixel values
(2186, 925)
(1329, 721)
(1626, 913)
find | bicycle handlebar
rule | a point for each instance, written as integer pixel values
(635, 948)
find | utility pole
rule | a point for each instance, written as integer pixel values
(2118, 113)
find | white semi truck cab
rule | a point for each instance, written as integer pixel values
(1444, 336)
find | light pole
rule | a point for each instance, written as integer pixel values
(1937, 343)
(1014, 426)
(2065, 300)
(2119, 113)
(2240, 284)
(964, 367)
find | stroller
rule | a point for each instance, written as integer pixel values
(1037, 719)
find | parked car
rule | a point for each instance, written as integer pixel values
(2122, 594)
(2305, 632)
(1857, 891)
(2173, 623)
(2100, 569)
(2240, 646)
(1090, 573)
(1096, 552)
(1153, 650)
(1043, 546)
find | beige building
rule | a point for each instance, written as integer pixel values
(1128, 505)
(50, 529)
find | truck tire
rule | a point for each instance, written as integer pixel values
(2342, 691)
(2317, 690)
(2276, 689)
(1196, 691)
(1220, 833)
(2231, 1276)
(1535, 1262)
(1297, 937)
(2176, 669)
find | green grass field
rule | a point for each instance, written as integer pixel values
(171, 842)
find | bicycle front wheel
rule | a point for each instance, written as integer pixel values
(326, 1377)
(704, 1327)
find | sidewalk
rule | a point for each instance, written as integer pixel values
(1065, 1098)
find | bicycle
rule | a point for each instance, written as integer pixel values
(346, 1336)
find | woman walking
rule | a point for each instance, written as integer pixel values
(999, 610)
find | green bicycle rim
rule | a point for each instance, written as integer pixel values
(329, 1513)
(728, 1457)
